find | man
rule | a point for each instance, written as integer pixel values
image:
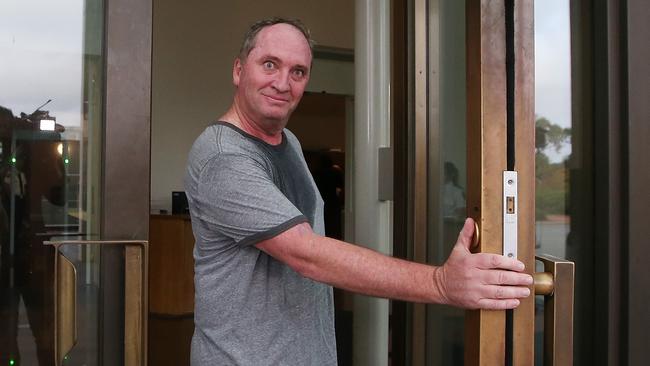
(263, 270)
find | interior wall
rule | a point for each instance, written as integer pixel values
(194, 45)
(319, 122)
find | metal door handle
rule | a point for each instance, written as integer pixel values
(65, 323)
(136, 289)
(556, 284)
(476, 238)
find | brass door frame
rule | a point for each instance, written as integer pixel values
(125, 181)
(524, 42)
(486, 160)
(486, 135)
(609, 94)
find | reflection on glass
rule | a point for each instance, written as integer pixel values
(447, 170)
(50, 103)
(553, 124)
(553, 142)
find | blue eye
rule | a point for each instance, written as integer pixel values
(269, 65)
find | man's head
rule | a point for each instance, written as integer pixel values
(271, 72)
(251, 34)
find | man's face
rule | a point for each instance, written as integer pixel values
(273, 77)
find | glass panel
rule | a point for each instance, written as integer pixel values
(552, 139)
(553, 124)
(447, 169)
(51, 73)
(564, 173)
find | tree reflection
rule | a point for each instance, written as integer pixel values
(551, 177)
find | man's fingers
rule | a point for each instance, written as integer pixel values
(489, 261)
(496, 277)
(506, 292)
(491, 304)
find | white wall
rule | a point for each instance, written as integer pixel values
(194, 45)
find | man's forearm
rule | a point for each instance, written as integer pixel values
(357, 269)
(472, 281)
(368, 272)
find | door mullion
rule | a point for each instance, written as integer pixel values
(524, 315)
(420, 165)
(486, 161)
(126, 159)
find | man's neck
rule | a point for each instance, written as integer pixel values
(235, 117)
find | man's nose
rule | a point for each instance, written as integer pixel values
(282, 82)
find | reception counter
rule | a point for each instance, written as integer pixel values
(171, 265)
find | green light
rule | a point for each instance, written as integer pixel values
(66, 160)
(13, 159)
(11, 362)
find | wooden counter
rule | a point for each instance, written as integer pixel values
(171, 265)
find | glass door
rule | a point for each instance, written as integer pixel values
(58, 154)
(474, 117)
(51, 74)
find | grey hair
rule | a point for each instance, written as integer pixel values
(251, 35)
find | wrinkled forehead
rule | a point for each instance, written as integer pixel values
(282, 40)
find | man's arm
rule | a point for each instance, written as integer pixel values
(467, 280)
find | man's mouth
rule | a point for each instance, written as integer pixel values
(277, 98)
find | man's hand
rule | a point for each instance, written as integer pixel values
(481, 280)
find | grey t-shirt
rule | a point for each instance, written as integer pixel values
(251, 309)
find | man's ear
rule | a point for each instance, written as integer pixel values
(236, 71)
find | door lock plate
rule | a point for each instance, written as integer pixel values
(510, 214)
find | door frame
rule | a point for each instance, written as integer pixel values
(125, 181)
(609, 62)
(491, 65)
(414, 122)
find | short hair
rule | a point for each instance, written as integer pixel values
(251, 35)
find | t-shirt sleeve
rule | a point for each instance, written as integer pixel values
(237, 197)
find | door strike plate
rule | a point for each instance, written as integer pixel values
(510, 210)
